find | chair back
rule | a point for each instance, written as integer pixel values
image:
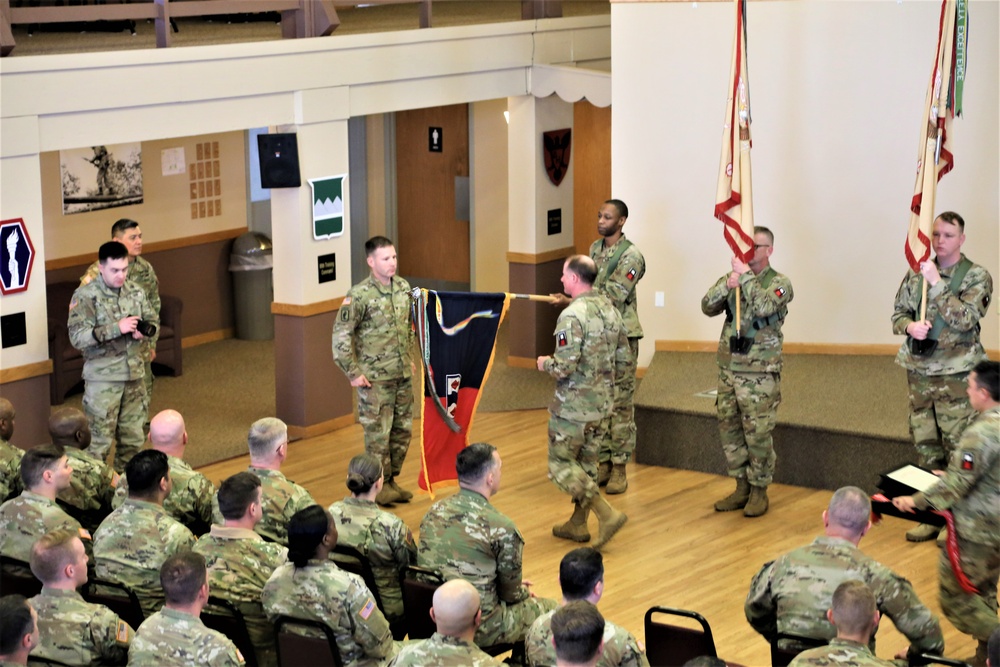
(418, 585)
(16, 577)
(38, 660)
(295, 649)
(116, 597)
(668, 644)
(224, 616)
(931, 659)
(348, 558)
(785, 646)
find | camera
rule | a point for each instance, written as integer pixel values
(147, 329)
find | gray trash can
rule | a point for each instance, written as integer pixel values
(251, 264)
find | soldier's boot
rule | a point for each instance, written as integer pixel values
(611, 520)
(603, 473)
(736, 500)
(979, 659)
(576, 528)
(404, 495)
(387, 496)
(618, 482)
(757, 503)
(922, 533)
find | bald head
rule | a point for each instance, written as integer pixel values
(69, 427)
(6, 419)
(167, 432)
(456, 604)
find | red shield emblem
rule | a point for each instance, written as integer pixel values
(556, 144)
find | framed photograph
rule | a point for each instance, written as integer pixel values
(101, 177)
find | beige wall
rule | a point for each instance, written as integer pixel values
(488, 199)
(837, 90)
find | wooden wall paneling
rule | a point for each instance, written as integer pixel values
(591, 155)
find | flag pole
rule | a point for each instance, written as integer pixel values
(533, 297)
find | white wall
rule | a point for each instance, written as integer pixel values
(488, 198)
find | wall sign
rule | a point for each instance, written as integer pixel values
(17, 255)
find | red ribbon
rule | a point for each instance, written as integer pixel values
(951, 548)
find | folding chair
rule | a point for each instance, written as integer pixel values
(784, 647)
(16, 577)
(116, 597)
(350, 559)
(931, 659)
(295, 649)
(418, 584)
(222, 615)
(668, 644)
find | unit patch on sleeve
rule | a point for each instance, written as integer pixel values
(630, 275)
(779, 292)
(968, 461)
(561, 339)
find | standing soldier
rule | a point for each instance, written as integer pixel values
(105, 318)
(372, 342)
(942, 348)
(749, 360)
(589, 333)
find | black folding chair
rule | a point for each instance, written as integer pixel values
(295, 649)
(16, 577)
(930, 659)
(222, 615)
(784, 647)
(116, 597)
(669, 644)
(350, 559)
(418, 584)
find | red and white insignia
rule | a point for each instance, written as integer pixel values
(561, 339)
(630, 275)
(968, 462)
(453, 382)
(780, 291)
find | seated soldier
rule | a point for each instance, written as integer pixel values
(577, 634)
(10, 455)
(88, 498)
(18, 630)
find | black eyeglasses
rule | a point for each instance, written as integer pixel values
(758, 246)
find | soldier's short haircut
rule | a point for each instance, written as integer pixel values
(265, 436)
(236, 493)
(474, 461)
(362, 473)
(306, 529)
(850, 508)
(36, 461)
(121, 226)
(953, 218)
(620, 205)
(579, 572)
(182, 575)
(144, 472)
(705, 661)
(577, 629)
(15, 622)
(853, 608)
(988, 378)
(111, 250)
(51, 553)
(376, 242)
(760, 229)
(583, 267)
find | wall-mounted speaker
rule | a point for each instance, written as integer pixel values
(279, 160)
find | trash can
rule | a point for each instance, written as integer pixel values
(251, 264)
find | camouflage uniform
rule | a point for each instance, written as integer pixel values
(171, 638)
(619, 287)
(373, 336)
(140, 273)
(792, 594)
(281, 498)
(29, 516)
(190, 499)
(939, 407)
(90, 489)
(586, 364)
(131, 545)
(323, 592)
(443, 651)
(970, 488)
(387, 542)
(10, 470)
(114, 398)
(76, 632)
(839, 653)
(465, 537)
(620, 648)
(239, 563)
(750, 384)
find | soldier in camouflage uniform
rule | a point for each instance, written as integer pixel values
(456, 615)
(749, 371)
(134, 541)
(175, 636)
(372, 343)
(465, 537)
(72, 630)
(312, 587)
(240, 561)
(141, 274)
(577, 631)
(581, 577)
(383, 537)
(20, 630)
(88, 498)
(939, 408)
(791, 595)
(45, 471)
(586, 364)
(970, 488)
(854, 614)
(10, 455)
(103, 321)
(191, 495)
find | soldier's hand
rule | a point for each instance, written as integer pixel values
(127, 324)
(540, 362)
(360, 381)
(559, 300)
(733, 280)
(739, 266)
(930, 273)
(904, 503)
(918, 330)
(528, 584)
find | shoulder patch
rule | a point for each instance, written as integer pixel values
(121, 634)
(115, 478)
(561, 339)
(630, 275)
(347, 301)
(367, 610)
(85, 534)
(780, 291)
(72, 303)
(239, 656)
(968, 461)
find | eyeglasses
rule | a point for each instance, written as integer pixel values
(758, 246)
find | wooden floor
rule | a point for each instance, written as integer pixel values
(675, 551)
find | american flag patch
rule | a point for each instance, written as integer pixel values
(780, 291)
(121, 634)
(367, 610)
(630, 275)
(115, 478)
(239, 656)
(561, 339)
(968, 462)
(85, 534)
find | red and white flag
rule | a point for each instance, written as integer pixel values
(734, 202)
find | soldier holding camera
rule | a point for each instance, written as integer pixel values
(941, 348)
(108, 320)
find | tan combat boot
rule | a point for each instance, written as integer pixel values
(611, 520)
(922, 533)
(618, 482)
(603, 473)
(736, 500)
(387, 496)
(404, 495)
(757, 503)
(576, 528)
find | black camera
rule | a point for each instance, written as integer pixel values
(147, 329)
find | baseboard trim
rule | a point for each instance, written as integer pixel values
(789, 348)
(207, 337)
(26, 372)
(302, 432)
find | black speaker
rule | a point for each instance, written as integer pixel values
(279, 160)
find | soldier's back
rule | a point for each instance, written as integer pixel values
(170, 638)
(76, 632)
(282, 498)
(26, 518)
